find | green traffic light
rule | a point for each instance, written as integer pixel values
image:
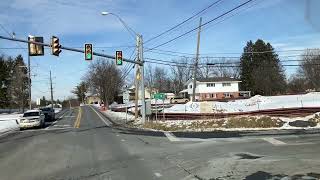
(119, 62)
(88, 56)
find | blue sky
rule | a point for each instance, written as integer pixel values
(286, 24)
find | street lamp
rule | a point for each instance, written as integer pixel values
(140, 58)
(130, 30)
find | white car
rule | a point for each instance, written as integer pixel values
(32, 118)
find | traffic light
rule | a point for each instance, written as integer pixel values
(118, 57)
(55, 46)
(88, 52)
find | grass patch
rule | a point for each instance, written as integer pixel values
(253, 122)
(234, 122)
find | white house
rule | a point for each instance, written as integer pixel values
(214, 88)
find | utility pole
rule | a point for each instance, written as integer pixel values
(136, 79)
(51, 90)
(140, 72)
(29, 76)
(143, 107)
(196, 64)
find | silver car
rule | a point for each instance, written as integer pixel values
(32, 118)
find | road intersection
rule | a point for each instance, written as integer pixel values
(83, 144)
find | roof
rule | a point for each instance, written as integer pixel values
(183, 91)
(217, 79)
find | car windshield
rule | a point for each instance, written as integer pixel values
(28, 114)
(45, 109)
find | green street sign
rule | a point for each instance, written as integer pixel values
(159, 96)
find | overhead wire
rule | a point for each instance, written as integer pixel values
(208, 22)
(186, 20)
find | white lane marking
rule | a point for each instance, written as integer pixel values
(62, 116)
(274, 141)
(62, 125)
(123, 140)
(171, 137)
(107, 123)
(117, 135)
(158, 174)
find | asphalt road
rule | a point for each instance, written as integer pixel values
(85, 146)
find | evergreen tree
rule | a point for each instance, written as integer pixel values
(261, 73)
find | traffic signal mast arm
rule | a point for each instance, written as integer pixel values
(71, 49)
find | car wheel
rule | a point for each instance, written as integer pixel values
(176, 102)
(186, 101)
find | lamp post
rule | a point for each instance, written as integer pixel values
(139, 43)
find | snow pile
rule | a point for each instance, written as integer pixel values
(8, 123)
(119, 117)
(253, 104)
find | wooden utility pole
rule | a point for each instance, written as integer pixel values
(196, 64)
(51, 90)
(136, 80)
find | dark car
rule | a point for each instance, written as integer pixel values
(48, 113)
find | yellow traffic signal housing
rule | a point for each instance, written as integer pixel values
(55, 46)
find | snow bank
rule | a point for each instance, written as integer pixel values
(8, 123)
(253, 104)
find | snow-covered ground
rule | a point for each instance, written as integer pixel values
(8, 123)
(253, 104)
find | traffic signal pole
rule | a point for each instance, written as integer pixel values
(69, 49)
(140, 62)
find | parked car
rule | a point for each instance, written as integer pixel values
(32, 118)
(179, 100)
(48, 113)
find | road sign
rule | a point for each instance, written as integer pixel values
(159, 96)
(118, 57)
(126, 97)
(36, 49)
(88, 51)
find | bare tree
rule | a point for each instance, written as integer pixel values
(105, 78)
(180, 74)
(310, 68)
(218, 68)
(80, 91)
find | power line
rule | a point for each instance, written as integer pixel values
(237, 7)
(193, 16)
(177, 65)
(156, 60)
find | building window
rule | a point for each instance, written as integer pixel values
(226, 84)
(213, 95)
(190, 86)
(227, 95)
(210, 85)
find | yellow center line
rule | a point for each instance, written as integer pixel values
(77, 122)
